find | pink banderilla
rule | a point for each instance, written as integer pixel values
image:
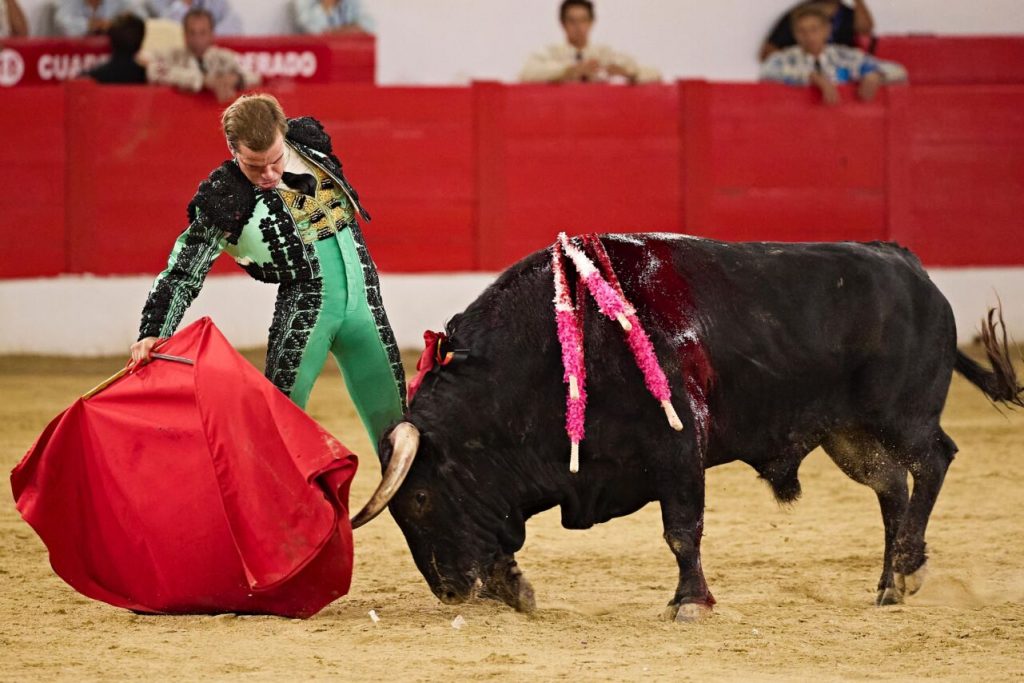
(613, 303)
(570, 337)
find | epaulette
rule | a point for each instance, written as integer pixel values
(225, 199)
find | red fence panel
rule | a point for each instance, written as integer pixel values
(32, 163)
(957, 174)
(578, 158)
(774, 164)
(135, 157)
(475, 178)
(409, 153)
(957, 60)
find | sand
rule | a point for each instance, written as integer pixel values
(795, 585)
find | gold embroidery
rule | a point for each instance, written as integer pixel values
(321, 216)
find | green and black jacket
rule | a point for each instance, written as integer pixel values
(229, 213)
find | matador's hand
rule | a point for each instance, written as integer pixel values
(141, 351)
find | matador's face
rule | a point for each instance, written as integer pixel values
(263, 169)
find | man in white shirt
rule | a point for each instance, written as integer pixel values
(578, 60)
(201, 64)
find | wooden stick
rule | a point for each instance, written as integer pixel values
(574, 388)
(673, 418)
(574, 458)
(105, 383)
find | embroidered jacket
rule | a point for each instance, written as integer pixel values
(228, 213)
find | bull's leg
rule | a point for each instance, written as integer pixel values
(507, 584)
(927, 461)
(682, 513)
(865, 460)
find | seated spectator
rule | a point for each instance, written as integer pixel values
(126, 34)
(813, 61)
(577, 60)
(77, 18)
(225, 21)
(331, 16)
(851, 26)
(201, 64)
(12, 20)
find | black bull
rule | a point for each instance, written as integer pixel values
(771, 350)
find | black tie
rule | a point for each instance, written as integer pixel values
(303, 182)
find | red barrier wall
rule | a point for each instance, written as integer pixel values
(573, 158)
(32, 166)
(956, 174)
(957, 60)
(474, 178)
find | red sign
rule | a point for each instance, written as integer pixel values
(305, 59)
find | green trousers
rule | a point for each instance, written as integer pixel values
(331, 315)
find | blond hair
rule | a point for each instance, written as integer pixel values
(254, 121)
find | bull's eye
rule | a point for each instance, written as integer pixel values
(421, 499)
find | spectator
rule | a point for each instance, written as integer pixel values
(815, 62)
(225, 21)
(577, 60)
(77, 18)
(331, 16)
(851, 26)
(126, 34)
(201, 64)
(12, 20)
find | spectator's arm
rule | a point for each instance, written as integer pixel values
(620, 64)
(309, 16)
(16, 19)
(67, 22)
(362, 18)
(163, 69)
(774, 69)
(543, 67)
(250, 79)
(863, 22)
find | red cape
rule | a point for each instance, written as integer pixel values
(193, 488)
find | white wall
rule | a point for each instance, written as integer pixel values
(443, 42)
(93, 316)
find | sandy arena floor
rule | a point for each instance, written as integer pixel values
(795, 586)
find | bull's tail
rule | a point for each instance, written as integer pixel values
(999, 383)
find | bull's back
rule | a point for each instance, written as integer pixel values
(799, 336)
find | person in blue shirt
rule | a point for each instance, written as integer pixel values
(331, 16)
(851, 26)
(816, 62)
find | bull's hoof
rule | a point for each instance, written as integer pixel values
(525, 601)
(508, 585)
(888, 596)
(687, 613)
(908, 584)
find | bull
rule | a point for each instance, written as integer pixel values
(771, 350)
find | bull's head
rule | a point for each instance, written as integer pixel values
(463, 545)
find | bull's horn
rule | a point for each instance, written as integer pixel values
(405, 440)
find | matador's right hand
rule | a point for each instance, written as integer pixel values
(141, 351)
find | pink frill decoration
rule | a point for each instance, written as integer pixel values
(647, 361)
(613, 303)
(608, 300)
(570, 337)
